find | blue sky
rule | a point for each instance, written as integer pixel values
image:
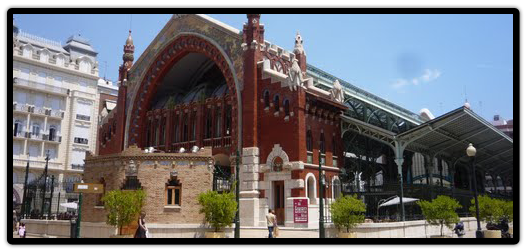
(415, 61)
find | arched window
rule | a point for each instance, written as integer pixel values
(322, 143)
(208, 124)
(176, 128)
(286, 108)
(185, 128)
(311, 189)
(173, 192)
(27, 51)
(336, 189)
(228, 120)
(309, 140)
(163, 130)
(276, 103)
(194, 126)
(156, 135)
(219, 121)
(266, 98)
(148, 133)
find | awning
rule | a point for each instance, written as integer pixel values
(449, 135)
(72, 205)
(396, 201)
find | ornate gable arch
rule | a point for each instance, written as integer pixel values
(177, 49)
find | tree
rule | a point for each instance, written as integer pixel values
(491, 210)
(219, 209)
(347, 212)
(440, 211)
(123, 206)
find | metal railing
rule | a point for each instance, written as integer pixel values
(83, 117)
(77, 166)
(80, 140)
(39, 86)
(55, 138)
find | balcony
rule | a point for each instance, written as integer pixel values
(40, 86)
(55, 138)
(80, 140)
(21, 108)
(56, 114)
(34, 136)
(39, 111)
(77, 166)
(19, 134)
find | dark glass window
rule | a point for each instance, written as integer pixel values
(276, 103)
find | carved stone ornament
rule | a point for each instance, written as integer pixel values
(298, 45)
(131, 170)
(295, 78)
(336, 93)
(277, 151)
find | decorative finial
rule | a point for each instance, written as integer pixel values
(298, 45)
(467, 105)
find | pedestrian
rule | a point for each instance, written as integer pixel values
(271, 222)
(22, 230)
(142, 230)
(459, 229)
(15, 220)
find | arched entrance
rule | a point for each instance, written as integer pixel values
(184, 48)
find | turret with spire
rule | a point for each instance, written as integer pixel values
(127, 58)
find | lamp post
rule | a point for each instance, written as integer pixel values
(236, 232)
(44, 186)
(471, 151)
(24, 198)
(321, 185)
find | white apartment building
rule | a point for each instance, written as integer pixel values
(55, 107)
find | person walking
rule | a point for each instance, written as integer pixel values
(459, 229)
(271, 222)
(142, 230)
(22, 230)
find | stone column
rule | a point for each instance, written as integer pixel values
(249, 194)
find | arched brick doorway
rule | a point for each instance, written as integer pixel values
(170, 56)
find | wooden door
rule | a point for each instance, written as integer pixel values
(279, 201)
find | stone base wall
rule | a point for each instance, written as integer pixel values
(409, 229)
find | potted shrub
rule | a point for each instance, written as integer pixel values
(347, 212)
(490, 211)
(123, 208)
(219, 210)
(440, 211)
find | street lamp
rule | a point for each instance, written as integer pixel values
(471, 152)
(321, 186)
(24, 198)
(44, 186)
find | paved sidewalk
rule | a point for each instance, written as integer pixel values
(283, 233)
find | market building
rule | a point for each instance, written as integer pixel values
(203, 84)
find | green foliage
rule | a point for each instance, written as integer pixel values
(347, 212)
(219, 209)
(491, 210)
(123, 206)
(507, 209)
(440, 211)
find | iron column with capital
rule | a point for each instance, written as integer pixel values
(320, 191)
(236, 232)
(24, 198)
(44, 187)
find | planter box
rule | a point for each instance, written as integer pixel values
(215, 235)
(347, 235)
(492, 234)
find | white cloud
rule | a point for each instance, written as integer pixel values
(428, 76)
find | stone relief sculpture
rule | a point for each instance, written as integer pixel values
(336, 93)
(298, 46)
(295, 77)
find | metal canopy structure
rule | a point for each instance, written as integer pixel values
(449, 135)
(446, 137)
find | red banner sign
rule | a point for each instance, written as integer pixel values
(301, 211)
